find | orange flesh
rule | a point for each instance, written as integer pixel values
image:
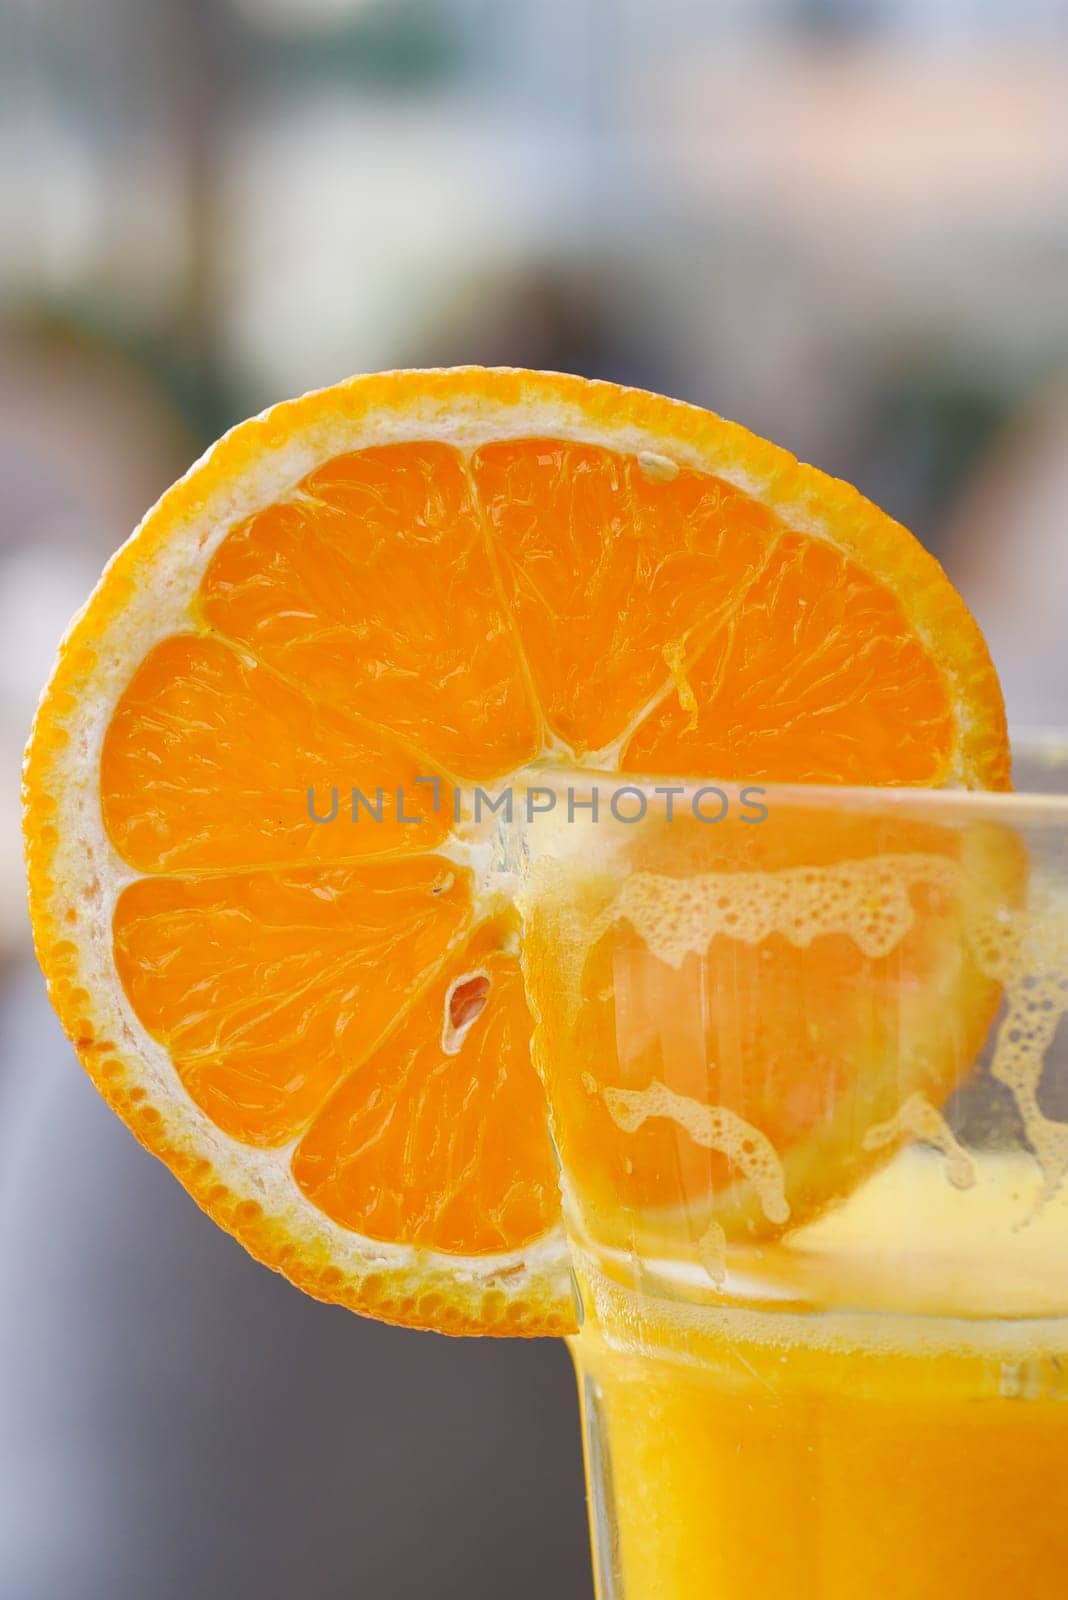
(411, 613)
(762, 706)
(266, 987)
(470, 1120)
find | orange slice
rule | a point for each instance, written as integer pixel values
(405, 586)
(738, 1023)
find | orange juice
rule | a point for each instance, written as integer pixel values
(749, 1465)
(737, 1450)
(808, 1095)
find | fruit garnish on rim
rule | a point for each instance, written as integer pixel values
(305, 1002)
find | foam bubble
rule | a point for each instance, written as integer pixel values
(712, 1127)
(712, 1252)
(867, 900)
(919, 1119)
(1027, 953)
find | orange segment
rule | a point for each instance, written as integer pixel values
(267, 988)
(818, 677)
(319, 1024)
(475, 1118)
(375, 569)
(209, 759)
(617, 568)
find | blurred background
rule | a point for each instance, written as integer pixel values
(842, 222)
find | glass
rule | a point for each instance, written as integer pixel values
(809, 1083)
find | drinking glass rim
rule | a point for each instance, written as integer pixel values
(1041, 746)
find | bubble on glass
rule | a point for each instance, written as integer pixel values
(917, 1118)
(714, 1128)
